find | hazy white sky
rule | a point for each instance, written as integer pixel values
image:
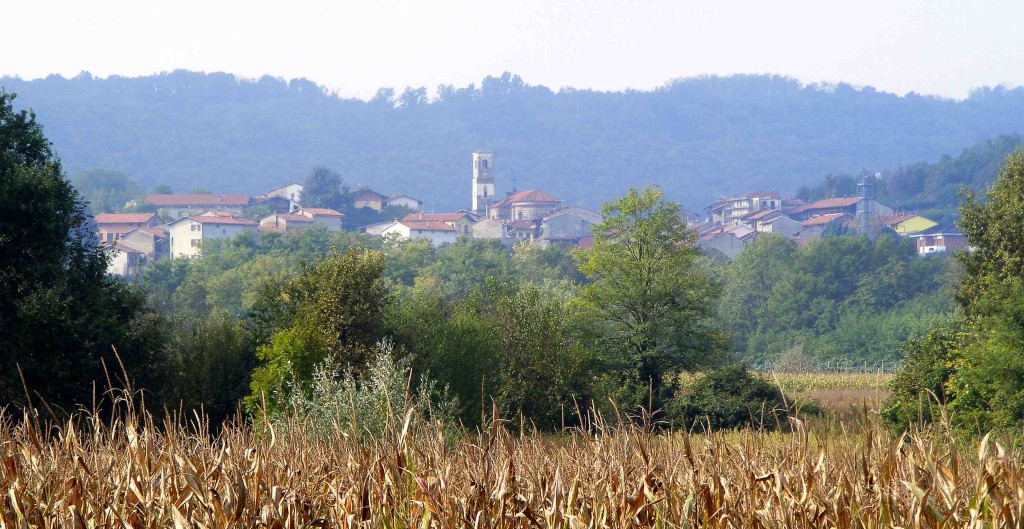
(937, 47)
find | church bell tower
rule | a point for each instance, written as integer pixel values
(483, 183)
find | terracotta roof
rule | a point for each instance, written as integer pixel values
(530, 195)
(758, 215)
(123, 218)
(292, 217)
(154, 231)
(364, 193)
(223, 220)
(828, 203)
(327, 212)
(521, 225)
(764, 194)
(432, 225)
(213, 213)
(198, 200)
(823, 219)
(441, 217)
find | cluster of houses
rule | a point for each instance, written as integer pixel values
(734, 222)
(532, 216)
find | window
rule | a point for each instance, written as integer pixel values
(223, 231)
(197, 227)
(195, 243)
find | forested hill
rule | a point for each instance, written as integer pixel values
(698, 138)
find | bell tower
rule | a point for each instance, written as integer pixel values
(483, 182)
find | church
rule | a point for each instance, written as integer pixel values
(531, 204)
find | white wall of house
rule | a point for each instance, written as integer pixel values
(187, 235)
(404, 202)
(436, 237)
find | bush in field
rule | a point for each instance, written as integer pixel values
(367, 404)
(730, 397)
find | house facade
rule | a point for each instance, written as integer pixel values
(187, 234)
(462, 221)
(112, 226)
(284, 222)
(847, 205)
(325, 217)
(125, 261)
(364, 197)
(907, 223)
(404, 201)
(939, 239)
(730, 211)
(568, 225)
(438, 233)
(152, 242)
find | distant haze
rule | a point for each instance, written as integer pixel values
(354, 47)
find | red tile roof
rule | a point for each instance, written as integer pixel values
(530, 195)
(224, 220)
(823, 219)
(124, 218)
(154, 231)
(896, 219)
(198, 200)
(292, 217)
(427, 225)
(828, 203)
(326, 212)
(440, 217)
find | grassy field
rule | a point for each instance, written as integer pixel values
(839, 393)
(130, 473)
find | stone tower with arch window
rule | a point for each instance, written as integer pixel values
(483, 182)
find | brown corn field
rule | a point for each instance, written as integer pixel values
(132, 473)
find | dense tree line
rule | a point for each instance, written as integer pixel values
(698, 138)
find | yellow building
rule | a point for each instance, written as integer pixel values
(907, 223)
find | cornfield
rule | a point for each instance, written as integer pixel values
(130, 472)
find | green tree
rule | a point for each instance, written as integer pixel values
(333, 311)
(650, 295)
(324, 188)
(61, 316)
(106, 191)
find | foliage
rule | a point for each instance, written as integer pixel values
(332, 311)
(368, 404)
(836, 299)
(979, 365)
(650, 296)
(61, 317)
(105, 190)
(730, 397)
(323, 188)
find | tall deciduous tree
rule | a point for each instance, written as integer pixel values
(60, 314)
(323, 188)
(651, 296)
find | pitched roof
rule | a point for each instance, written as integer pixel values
(198, 200)
(393, 196)
(758, 215)
(939, 229)
(152, 231)
(823, 219)
(593, 216)
(764, 194)
(828, 203)
(432, 225)
(364, 193)
(521, 225)
(440, 217)
(210, 219)
(291, 217)
(326, 212)
(123, 218)
(530, 195)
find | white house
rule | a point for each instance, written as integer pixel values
(437, 232)
(327, 217)
(188, 233)
(290, 191)
(567, 225)
(125, 261)
(404, 201)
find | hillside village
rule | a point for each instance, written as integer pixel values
(731, 223)
(181, 223)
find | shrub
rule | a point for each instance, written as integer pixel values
(730, 397)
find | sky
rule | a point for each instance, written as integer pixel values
(938, 47)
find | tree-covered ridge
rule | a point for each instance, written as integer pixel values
(929, 188)
(697, 138)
